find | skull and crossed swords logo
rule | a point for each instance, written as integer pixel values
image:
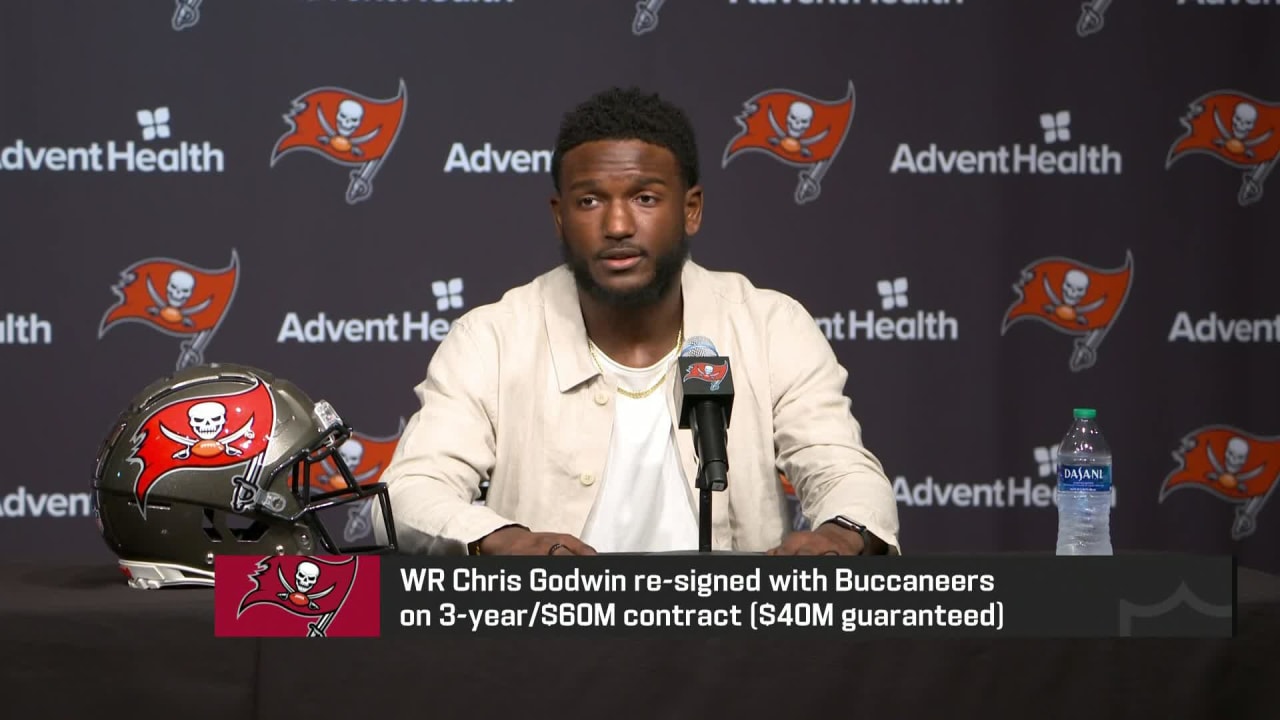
(207, 421)
(1068, 309)
(799, 119)
(350, 113)
(1228, 473)
(1236, 140)
(172, 307)
(299, 593)
(352, 453)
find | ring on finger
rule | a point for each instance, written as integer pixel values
(554, 548)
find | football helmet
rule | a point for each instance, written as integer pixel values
(217, 459)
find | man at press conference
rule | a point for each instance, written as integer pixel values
(562, 393)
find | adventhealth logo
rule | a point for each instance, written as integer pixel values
(1056, 126)
(893, 293)
(891, 324)
(1007, 492)
(387, 3)
(1226, 3)
(1015, 159)
(28, 329)
(407, 326)
(21, 503)
(154, 126)
(488, 159)
(1047, 459)
(448, 293)
(908, 3)
(1215, 329)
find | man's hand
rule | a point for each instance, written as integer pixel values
(828, 539)
(516, 540)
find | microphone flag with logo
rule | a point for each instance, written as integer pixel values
(704, 397)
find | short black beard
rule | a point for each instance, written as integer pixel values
(666, 269)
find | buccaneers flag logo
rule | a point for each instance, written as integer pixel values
(365, 457)
(795, 129)
(314, 588)
(1073, 298)
(1234, 465)
(346, 128)
(177, 299)
(709, 373)
(203, 433)
(1237, 129)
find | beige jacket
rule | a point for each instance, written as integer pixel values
(512, 394)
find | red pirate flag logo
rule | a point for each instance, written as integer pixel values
(706, 372)
(1237, 129)
(365, 457)
(206, 432)
(1073, 298)
(177, 299)
(1234, 465)
(346, 128)
(796, 129)
(307, 587)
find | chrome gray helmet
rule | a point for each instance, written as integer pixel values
(217, 459)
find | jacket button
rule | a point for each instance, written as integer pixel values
(601, 398)
(586, 478)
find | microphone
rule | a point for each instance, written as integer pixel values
(704, 397)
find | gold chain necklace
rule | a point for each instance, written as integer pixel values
(591, 347)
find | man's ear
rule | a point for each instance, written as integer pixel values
(693, 210)
(555, 214)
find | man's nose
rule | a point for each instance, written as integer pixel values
(619, 222)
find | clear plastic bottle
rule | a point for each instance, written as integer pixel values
(1084, 488)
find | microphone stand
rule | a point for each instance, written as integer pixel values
(704, 510)
(708, 482)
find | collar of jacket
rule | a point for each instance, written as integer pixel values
(567, 334)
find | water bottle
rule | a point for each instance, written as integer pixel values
(1084, 488)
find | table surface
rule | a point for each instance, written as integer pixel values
(81, 644)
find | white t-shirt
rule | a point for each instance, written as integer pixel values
(644, 503)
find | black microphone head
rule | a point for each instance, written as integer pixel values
(704, 376)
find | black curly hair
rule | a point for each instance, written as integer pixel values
(628, 114)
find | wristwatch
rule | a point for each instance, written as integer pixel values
(857, 527)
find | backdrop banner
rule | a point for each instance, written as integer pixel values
(996, 210)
